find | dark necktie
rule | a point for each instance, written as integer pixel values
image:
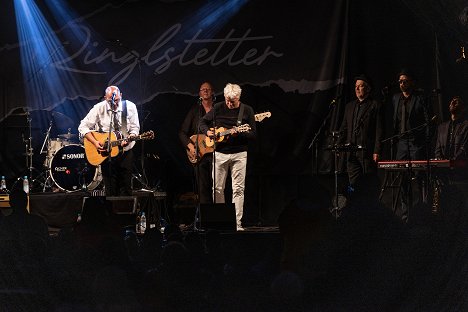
(403, 116)
(356, 121)
(116, 122)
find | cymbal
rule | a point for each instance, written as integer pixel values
(67, 136)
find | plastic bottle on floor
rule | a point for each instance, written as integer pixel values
(143, 222)
(3, 188)
(26, 184)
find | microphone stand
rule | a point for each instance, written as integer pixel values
(197, 210)
(319, 131)
(109, 145)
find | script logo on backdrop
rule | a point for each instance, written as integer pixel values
(168, 50)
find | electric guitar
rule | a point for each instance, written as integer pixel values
(96, 157)
(203, 148)
(261, 116)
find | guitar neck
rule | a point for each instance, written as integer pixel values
(228, 131)
(129, 139)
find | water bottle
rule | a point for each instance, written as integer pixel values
(26, 184)
(3, 188)
(142, 223)
(138, 223)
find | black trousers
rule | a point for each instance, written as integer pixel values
(203, 180)
(358, 166)
(117, 174)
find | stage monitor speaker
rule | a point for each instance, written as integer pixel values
(112, 212)
(123, 204)
(220, 217)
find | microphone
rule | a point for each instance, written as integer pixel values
(113, 98)
(200, 100)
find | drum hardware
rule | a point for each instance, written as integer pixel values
(28, 146)
(47, 181)
(71, 172)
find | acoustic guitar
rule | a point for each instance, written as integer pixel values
(203, 148)
(96, 157)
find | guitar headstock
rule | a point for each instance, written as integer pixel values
(148, 135)
(243, 128)
(261, 116)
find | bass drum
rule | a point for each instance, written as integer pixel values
(70, 170)
(53, 146)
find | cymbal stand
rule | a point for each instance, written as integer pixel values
(29, 150)
(48, 160)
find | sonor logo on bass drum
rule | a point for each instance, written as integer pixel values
(73, 156)
(60, 169)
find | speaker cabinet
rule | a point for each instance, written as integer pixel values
(113, 212)
(123, 204)
(220, 217)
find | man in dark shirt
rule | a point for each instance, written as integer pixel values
(451, 187)
(196, 152)
(230, 154)
(411, 123)
(362, 126)
(452, 139)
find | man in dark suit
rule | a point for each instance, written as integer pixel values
(362, 128)
(411, 125)
(409, 112)
(452, 140)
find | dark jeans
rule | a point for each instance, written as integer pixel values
(117, 174)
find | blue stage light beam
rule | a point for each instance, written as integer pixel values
(40, 50)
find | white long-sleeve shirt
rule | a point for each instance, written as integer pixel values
(100, 116)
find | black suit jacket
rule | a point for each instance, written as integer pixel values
(461, 141)
(418, 115)
(367, 128)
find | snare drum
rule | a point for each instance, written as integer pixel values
(70, 170)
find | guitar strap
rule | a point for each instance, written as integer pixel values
(124, 119)
(241, 114)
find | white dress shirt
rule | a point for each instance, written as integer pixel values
(100, 116)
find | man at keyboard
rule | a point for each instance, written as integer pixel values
(452, 135)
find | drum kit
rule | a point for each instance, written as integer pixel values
(65, 166)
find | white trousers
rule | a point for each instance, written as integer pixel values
(237, 163)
